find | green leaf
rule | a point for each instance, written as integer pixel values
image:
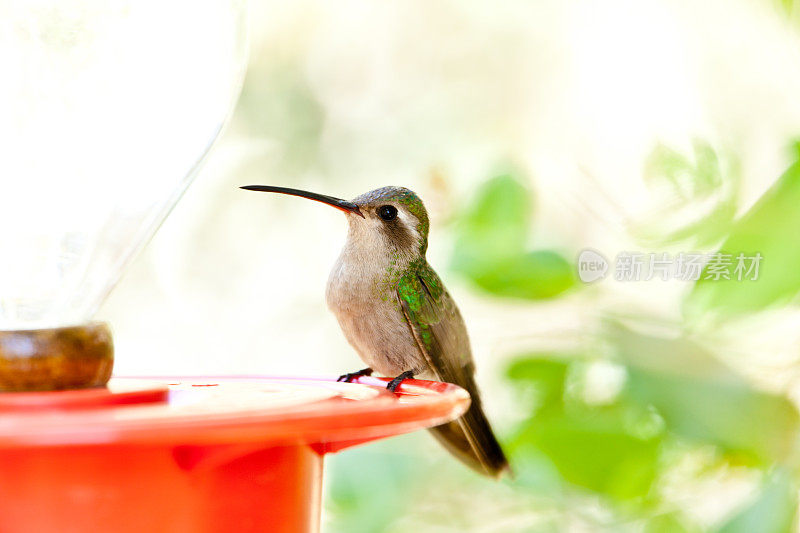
(770, 229)
(495, 226)
(597, 448)
(542, 369)
(591, 448)
(490, 246)
(703, 400)
(543, 372)
(772, 511)
(533, 276)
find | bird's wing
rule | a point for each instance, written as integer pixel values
(437, 327)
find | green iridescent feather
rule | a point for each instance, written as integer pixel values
(420, 291)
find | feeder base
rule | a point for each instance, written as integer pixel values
(171, 490)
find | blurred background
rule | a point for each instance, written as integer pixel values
(532, 131)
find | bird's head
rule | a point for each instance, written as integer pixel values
(389, 219)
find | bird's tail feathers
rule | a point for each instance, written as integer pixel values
(471, 439)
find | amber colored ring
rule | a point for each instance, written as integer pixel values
(73, 357)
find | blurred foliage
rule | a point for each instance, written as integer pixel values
(788, 8)
(701, 399)
(701, 192)
(289, 116)
(772, 511)
(358, 503)
(408, 483)
(622, 437)
(674, 395)
(767, 228)
(491, 239)
(614, 424)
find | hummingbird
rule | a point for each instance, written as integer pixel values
(396, 313)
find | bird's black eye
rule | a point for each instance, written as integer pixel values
(387, 212)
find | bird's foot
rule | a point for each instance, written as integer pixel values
(392, 385)
(350, 376)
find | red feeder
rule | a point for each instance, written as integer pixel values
(193, 454)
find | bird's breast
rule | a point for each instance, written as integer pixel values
(366, 306)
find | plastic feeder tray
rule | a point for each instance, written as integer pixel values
(193, 454)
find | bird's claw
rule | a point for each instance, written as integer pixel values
(392, 385)
(350, 376)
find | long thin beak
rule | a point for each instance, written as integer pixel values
(338, 203)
